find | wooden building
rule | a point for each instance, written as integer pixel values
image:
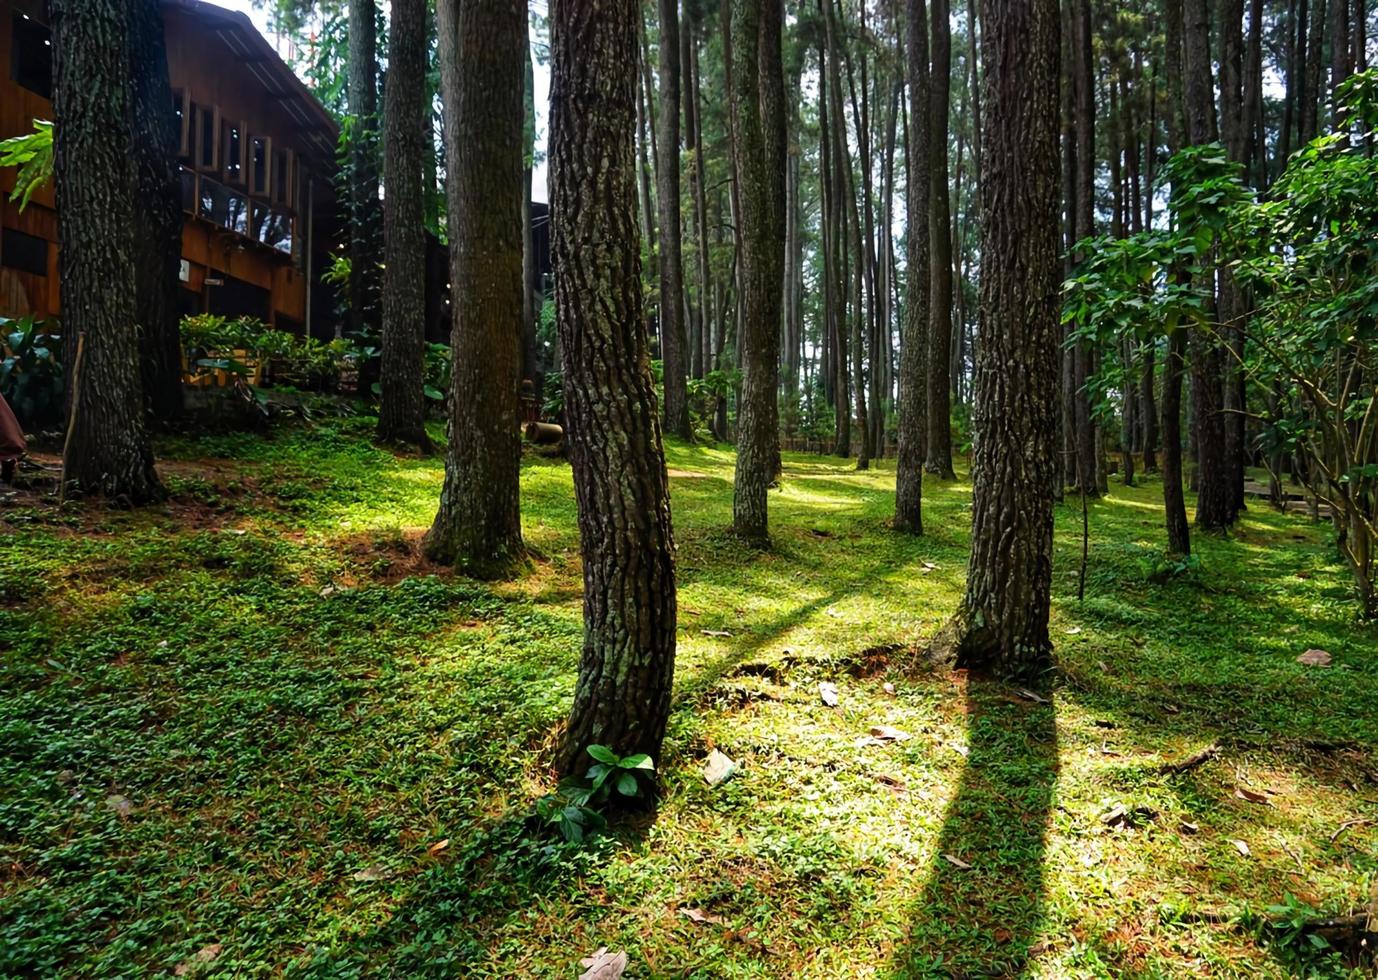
(257, 158)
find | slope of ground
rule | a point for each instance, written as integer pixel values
(254, 733)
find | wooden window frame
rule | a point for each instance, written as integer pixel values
(180, 96)
(287, 199)
(266, 193)
(199, 161)
(225, 126)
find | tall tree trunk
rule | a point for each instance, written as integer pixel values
(703, 356)
(402, 404)
(1314, 71)
(674, 343)
(158, 239)
(531, 286)
(647, 208)
(758, 149)
(365, 210)
(1174, 501)
(1002, 621)
(1087, 454)
(622, 697)
(912, 404)
(1215, 510)
(482, 43)
(108, 450)
(1068, 415)
(939, 455)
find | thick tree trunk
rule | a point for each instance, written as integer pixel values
(1148, 409)
(158, 238)
(1215, 509)
(108, 449)
(912, 404)
(703, 355)
(939, 456)
(674, 349)
(1002, 622)
(1087, 451)
(1314, 70)
(406, 139)
(365, 209)
(478, 527)
(758, 148)
(622, 698)
(1175, 508)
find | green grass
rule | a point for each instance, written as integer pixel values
(246, 719)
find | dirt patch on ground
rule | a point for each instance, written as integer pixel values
(389, 557)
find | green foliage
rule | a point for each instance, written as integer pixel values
(576, 808)
(211, 341)
(32, 153)
(31, 377)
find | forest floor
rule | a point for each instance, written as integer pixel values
(254, 733)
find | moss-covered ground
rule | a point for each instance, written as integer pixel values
(253, 733)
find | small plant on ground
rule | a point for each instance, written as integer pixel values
(576, 807)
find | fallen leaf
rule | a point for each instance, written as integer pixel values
(1028, 695)
(828, 692)
(438, 846)
(374, 872)
(327, 592)
(707, 918)
(888, 688)
(202, 956)
(122, 805)
(1315, 658)
(1106, 750)
(715, 632)
(1072, 630)
(959, 748)
(929, 566)
(1115, 816)
(1172, 709)
(894, 782)
(1252, 796)
(603, 965)
(956, 862)
(718, 768)
(1241, 847)
(887, 734)
(1105, 667)
(1187, 827)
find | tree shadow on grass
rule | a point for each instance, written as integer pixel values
(982, 920)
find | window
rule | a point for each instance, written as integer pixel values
(260, 179)
(205, 121)
(188, 189)
(32, 62)
(273, 228)
(233, 146)
(218, 204)
(183, 114)
(283, 174)
(26, 253)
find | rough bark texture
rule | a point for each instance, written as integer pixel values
(482, 47)
(1002, 622)
(674, 344)
(622, 698)
(402, 404)
(1175, 507)
(758, 117)
(1087, 455)
(910, 408)
(158, 235)
(365, 210)
(108, 449)
(939, 455)
(1215, 507)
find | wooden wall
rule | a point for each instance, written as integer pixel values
(204, 66)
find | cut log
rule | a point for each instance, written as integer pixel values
(544, 433)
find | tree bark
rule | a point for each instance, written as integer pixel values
(674, 344)
(758, 145)
(402, 403)
(1087, 455)
(365, 209)
(1215, 509)
(478, 527)
(1002, 622)
(1174, 501)
(622, 697)
(912, 404)
(108, 450)
(939, 455)
(158, 239)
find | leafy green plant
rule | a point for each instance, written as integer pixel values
(32, 153)
(30, 370)
(575, 808)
